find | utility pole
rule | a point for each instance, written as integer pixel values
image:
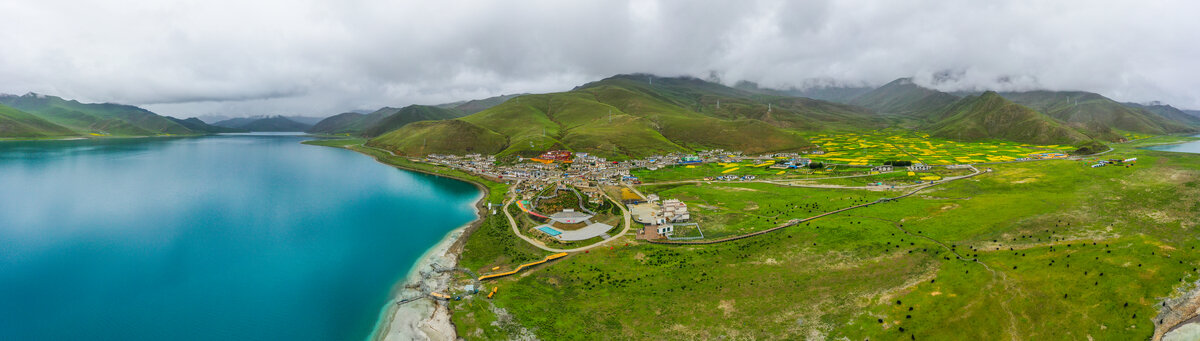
(718, 104)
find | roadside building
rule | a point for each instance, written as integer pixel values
(919, 167)
(884, 168)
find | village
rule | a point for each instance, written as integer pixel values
(537, 180)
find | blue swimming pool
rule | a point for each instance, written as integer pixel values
(549, 230)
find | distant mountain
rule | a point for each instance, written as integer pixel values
(990, 116)
(406, 115)
(210, 119)
(16, 123)
(838, 94)
(1168, 112)
(195, 124)
(631, 116)
(99, 118)
(1195, 113)
(1093, 111)
(264, 124)
(902, 96)
(308, 120)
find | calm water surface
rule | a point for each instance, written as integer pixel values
(233, 237)
(1188, 147)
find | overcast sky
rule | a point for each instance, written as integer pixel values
(317, 58)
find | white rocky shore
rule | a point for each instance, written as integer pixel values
(425, 318)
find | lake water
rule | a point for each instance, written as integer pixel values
(231, 237)
(1187, 147)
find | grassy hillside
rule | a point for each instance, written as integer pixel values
(990, 116)
(16, 123)
(1085, 109)
(406, 115)
(627, 116)
(99, 118)
(902, 96)
(449, 137)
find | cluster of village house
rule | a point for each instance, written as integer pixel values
(587, 172)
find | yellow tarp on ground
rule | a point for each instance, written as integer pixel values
(730, 170)
(690, 166)
(911, 173)
(780, 172)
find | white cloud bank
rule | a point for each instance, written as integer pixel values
(313, 57)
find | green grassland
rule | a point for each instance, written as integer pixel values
(724, 209)
(936, 265)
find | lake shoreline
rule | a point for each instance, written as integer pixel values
(426, 319)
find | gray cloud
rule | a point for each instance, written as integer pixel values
(322, 57)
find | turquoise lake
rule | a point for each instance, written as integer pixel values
(230, 237)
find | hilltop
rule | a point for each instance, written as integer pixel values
(638, 115)
(902, 96)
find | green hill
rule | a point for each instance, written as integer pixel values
(449, 137)
(16, 123)
(406, 115)
(902, 96)
(101, 118)
(990, 116)
(639, 115)
(359, 124)
(1093, 111)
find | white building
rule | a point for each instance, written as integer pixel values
(665, 229)
(919, 167)
(884, 168)
(675, 210)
